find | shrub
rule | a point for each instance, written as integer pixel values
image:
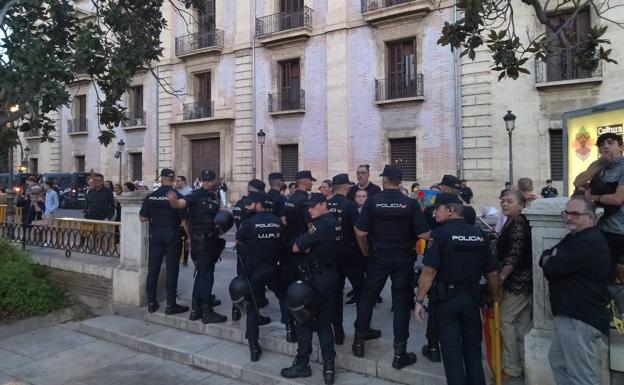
(25, 290)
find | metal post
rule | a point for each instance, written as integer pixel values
(262, 161)
(511, 179)
(10, 192)
(120, 155)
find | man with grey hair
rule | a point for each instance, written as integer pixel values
(577, 270)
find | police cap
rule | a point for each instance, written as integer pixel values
(253, 197)
(304, 174)
(392, 171)
(314, 199)
(208, 175)
(341, 179)
(169, 173)
(450, 181)
(446, 198)
(276, 175)
(257, 184)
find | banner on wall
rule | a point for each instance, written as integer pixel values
(581, 128)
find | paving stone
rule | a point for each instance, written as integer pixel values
(225, 358)
(44, 342)
(12, 360)
(176, 345)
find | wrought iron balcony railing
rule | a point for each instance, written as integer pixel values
(287, 100)
(196, 41)
(77, 125)
(135, 118)
(562, 67)
(398, 87)
(33, 132)
(198, 110)
(372, 5)
(283, 22)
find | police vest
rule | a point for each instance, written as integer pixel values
(324, 252)
(266, 239)
(392, 218)
(202, 214)
(161, 213)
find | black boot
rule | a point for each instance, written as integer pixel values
(432, 352)
(210, 317)
(263, 302)
(263, 320)
(236, 313)
(290, 331)
(255, 350)
(358, 345)
(214, 301)
(174, 308)
(152, 306)
(299, 368)
(401, 357)
(372, 334)
(196, 312)
(328, 372)
(339, 335)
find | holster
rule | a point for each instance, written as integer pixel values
(438, 292)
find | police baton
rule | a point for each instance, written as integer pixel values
(253, 297)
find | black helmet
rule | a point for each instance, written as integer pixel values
(300, 301)
(223, 221)
(239, 293)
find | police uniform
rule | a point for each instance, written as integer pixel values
(259, 243)
(206, 247)
(164, 241)
(318, 267)
(346, 213)
(274, 199)
(459, 253)
(393, 222)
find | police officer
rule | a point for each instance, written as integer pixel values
(258, 244)
(317, 250)
(295, 217)
(203, 204)
(346, 213)
(275, 200)
(393, 222)
(164, 241)
(455, 259)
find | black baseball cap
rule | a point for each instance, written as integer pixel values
(253, 197)
(314, 199)
(257, 184)
(392, 171)
(304, 174)
(209, 175)
(167, 172)
(446, 198)
(276, 175)
(341, 179)
(450, 181)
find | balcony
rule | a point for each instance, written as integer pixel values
(136, 119)
(396, 89)
(376, 11)
(560, 70)
(33, 133)
(199, 110)
(77, 126)
(198, 43)
(284, 27)
(287, 102)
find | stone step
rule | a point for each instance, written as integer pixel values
(377, 362)
(216, 355)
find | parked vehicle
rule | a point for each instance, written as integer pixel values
(19, 180)
(72, 188)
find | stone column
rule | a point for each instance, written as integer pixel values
(129, 276)
(547, 229)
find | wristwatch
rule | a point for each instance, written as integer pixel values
(419, 301)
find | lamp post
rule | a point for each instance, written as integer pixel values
(120, 148)
(261, 139)
(25, 160)
(10, 192)
(510, 124)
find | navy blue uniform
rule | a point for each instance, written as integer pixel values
(322, 240)
(274, 202)
(237, 213)
(460, 255)
(164, 241)
(259, 244)
(205, 247)
(296, 224)
(393, 222)
(346, 213)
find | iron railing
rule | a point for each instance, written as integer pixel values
(560, 67)
(397, 87)
(194, 41)
(287, 101)
(77, 125)
(104, 243)
(198, 110)
(135, 118)
(33, 132)
(371, 5)
(283, 22)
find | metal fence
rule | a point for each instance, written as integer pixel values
(397, 87)
(198, 110)
(287, 101)
(194, 41)
(283, 22)
(77, 125)
(135, 118)
(560, 67)
(371, 5)
(33, 132)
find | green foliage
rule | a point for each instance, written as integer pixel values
(25, 290)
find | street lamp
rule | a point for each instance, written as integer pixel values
(120, 148)
(25, 160)
(510, 124)
(261, 139)
(10, 192)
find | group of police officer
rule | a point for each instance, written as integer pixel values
(303, 247)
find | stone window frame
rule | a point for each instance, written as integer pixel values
(193, 70)
(405, 134)
(285, 54)
(396, 32)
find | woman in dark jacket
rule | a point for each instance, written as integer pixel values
(33, 206)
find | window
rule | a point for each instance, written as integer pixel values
(136, 160)
(290, 85)
(289, 160)
(403, 154)
(135, 106)
(80, 163)
(560, 64)
(202, 88)
(79, 110)
(401, 74)
(34, 165)
(206, 19)
(291, 6)
(556, 154)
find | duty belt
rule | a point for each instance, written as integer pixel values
(386, 246)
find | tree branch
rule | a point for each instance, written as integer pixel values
(5, 9)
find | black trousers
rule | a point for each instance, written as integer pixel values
(263, 274)
(616, 247)
(206, 252)
(347, 266)
(399, 269)
(164, 242)
(432, 333)
(460, 339)
(288, 273)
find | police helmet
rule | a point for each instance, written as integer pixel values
(239, 293)
(300, 301)
(224, 220)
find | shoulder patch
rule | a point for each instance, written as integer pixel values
(312, 229)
